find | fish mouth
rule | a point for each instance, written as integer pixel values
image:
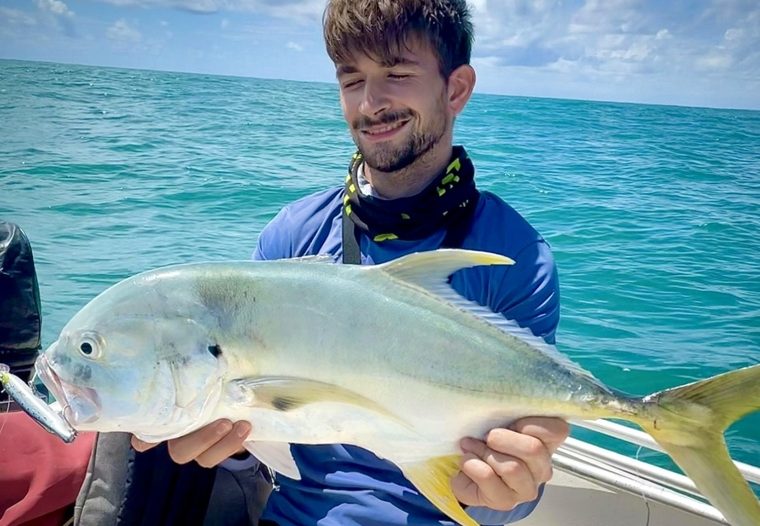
(81, 405)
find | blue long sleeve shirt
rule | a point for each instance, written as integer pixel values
(343, 485)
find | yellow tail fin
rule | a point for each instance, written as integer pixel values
(689, 422)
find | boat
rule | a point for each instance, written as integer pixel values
(593, 485)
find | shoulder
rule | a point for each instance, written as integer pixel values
(527, 291)
(301, 227)
(498, 227)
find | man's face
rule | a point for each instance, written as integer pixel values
(396, 111)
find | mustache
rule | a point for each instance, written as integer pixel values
(385, 118)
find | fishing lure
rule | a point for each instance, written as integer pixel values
(34, 406)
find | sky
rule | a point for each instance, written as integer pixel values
(681, 52)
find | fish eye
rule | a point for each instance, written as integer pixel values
(215, 350)
(90, 345)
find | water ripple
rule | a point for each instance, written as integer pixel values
(652, 212)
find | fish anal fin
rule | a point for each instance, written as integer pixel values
(275, 455)
(432, 478)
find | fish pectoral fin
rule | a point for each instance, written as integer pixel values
(432, 269)
(432, 478)
(275, 455)
(286, 393)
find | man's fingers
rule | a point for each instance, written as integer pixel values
(551, 431)
(189, 447)
(515, 474)
(226, 447)
(140, 446)
(531, 451)
(208, 445)
(464, 488)
(490, 489)
(504, 480)
(505, 445)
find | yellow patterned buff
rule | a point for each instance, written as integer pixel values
(448, 198)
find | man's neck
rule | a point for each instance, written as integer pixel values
(411, 180)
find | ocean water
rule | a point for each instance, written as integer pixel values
(653, 212)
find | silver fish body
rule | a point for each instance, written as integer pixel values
(388, 358)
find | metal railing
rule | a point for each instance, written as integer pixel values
(623, 473)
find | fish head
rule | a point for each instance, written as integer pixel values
(138, 358)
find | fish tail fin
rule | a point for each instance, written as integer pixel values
(689, 421)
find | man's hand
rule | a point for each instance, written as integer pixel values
(208, 446)
(509, 466)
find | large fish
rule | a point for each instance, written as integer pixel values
(385, 357)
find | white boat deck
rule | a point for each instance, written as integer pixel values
(570, 500)
(594, 486)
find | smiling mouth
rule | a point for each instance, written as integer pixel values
(384, 130)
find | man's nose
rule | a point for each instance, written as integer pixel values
(375, 99)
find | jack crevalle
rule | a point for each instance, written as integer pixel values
(386, 357)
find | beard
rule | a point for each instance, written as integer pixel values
(389, 156)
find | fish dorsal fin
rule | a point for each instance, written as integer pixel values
(318, 258)
(510, 327)
(432, 478)
(429, 269)
(276, 455)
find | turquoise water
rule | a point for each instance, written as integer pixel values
(653, 212)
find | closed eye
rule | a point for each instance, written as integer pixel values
(351, 83)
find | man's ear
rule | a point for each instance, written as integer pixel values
(460, 86)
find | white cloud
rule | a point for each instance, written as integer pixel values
(636, 50)
(122, 33)
(56, 7)
(618, 40)
(299, 10)
(16, 17)
(612, 49)
(714, 60)
(55, 15)
(516, 22)
(663, 34)
(610, 16)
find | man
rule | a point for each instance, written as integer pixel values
(404, 75)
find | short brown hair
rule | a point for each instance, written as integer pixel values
(381, 28)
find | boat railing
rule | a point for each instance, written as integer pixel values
(623, 473)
